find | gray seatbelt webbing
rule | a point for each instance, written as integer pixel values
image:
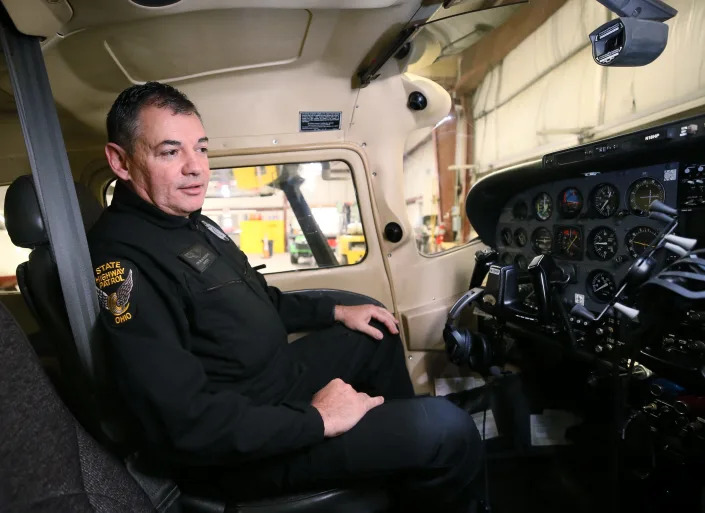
(53, 183)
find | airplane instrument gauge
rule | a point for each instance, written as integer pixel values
(601, 285)
(639, 240)
(542, 241)
(570, 202)
(602, 242)
(521, 263)
(605, 199)
(643, 193)
(568, 242)
(520, 237)
(543, 206)
(507, 237)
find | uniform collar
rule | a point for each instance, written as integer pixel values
(125, 199)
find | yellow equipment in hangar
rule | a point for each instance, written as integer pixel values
(254, 177)
(351, 245)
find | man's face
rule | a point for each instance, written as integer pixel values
(168, 166)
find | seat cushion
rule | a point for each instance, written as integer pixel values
(47, 461)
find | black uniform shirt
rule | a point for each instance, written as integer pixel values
(196, 340)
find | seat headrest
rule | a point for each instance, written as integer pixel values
(89, 206)
(23, 217)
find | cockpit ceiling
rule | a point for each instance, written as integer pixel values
(46, 18)
(228, 40)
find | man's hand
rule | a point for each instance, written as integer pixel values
(341, 406)
(359, 317)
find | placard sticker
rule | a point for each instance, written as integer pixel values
(490, 430)
(315, 121)
(669, 175)
(580, 299)
(445, 386)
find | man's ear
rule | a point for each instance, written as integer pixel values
(117, 159)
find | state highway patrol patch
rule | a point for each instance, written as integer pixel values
(114, 285)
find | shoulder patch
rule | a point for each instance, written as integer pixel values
(114, 283)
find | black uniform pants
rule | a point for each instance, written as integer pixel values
(425, 448)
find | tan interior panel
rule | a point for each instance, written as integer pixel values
(161, 49)
(423, 325)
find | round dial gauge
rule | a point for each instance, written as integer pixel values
(603, 243)
(639, 240)
(542, 241)
(520, 237)
(507, 259)
(569, 242)
(521, 263)
(643, 193)
(605, 199)
(601, 285)
(520, 211)
(507, 237)
(570, 202)
(543, 206)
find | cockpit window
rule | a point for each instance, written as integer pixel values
(436, 180)
(287, 217)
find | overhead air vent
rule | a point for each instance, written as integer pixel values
(155, 3)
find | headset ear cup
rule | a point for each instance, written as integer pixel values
(479, 351)
(464, 345)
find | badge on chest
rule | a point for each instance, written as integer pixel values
(199, 257)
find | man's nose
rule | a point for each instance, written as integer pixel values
(194, 164)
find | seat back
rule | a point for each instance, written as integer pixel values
(39, 284)
(48, 462)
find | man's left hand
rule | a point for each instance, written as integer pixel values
(359, 317)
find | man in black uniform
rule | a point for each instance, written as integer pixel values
(197, 341)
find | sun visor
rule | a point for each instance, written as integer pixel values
(183, 46)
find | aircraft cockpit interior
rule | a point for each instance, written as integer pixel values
(515, 187)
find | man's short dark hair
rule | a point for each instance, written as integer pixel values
(123, 118)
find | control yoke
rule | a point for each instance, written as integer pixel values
(503, 300)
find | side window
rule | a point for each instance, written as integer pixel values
(287, 216)
(437, 178)
(10, 255)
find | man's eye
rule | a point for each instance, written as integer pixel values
(169, 153)
(203, 150)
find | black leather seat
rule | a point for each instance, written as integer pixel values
(40, 286)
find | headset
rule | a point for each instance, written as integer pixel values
(462, 345)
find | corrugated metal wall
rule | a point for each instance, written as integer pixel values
(548, 93)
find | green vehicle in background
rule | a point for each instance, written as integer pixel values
(299, 248)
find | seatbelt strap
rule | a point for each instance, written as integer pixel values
(53, 183)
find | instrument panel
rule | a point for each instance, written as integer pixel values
(595, 225)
